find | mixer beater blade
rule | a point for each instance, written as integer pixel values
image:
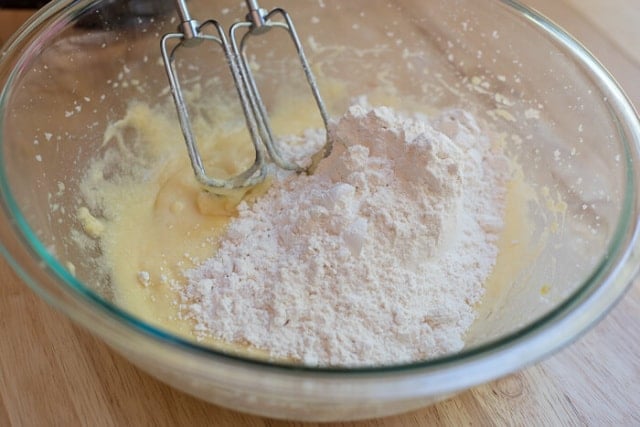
(257, 22)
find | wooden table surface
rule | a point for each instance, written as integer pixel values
(54, 373)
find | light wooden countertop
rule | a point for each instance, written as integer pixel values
(54, 373)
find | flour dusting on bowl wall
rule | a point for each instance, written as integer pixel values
(476, 211)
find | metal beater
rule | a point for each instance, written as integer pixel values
(257, 22)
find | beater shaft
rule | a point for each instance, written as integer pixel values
(188, 27)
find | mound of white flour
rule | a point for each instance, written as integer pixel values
(377, 258)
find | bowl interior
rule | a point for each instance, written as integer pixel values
(86, 65)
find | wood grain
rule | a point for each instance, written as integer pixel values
(54, 373)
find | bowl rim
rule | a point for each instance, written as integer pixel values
(595, 296)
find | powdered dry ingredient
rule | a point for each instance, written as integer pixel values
(377, 258)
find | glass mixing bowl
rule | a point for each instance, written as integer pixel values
(77, 65)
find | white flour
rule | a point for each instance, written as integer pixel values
(377, 258)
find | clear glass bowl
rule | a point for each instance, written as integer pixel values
(76, 66)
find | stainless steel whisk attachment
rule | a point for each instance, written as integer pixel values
(257, 22)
